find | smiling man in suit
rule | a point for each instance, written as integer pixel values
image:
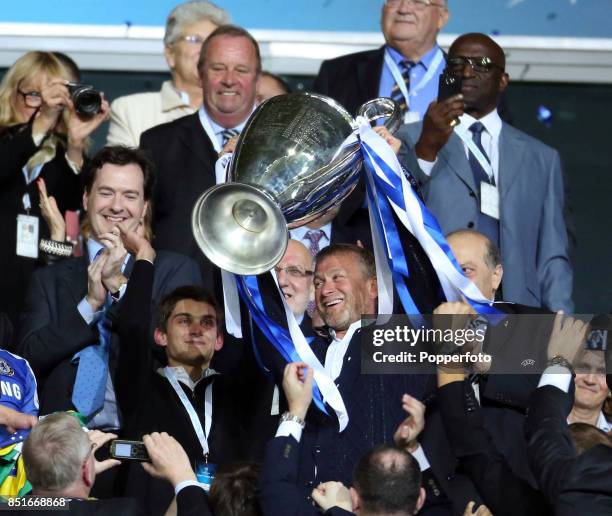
(486, 175)
(185, 151)
(409, 63)
(68, 330)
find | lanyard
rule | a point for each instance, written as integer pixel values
(209, 130)
(193, 416)
(399, 80)
(462, 132)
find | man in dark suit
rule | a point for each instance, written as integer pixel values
(68, 333)
(345, 288)
(187, 399)
(409, 64)
(185, 151)
(386, 480)
(486, 175)
(410, 61)
(59, 461)
(570, 483)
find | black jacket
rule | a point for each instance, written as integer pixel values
(53, 330)
(571, 484)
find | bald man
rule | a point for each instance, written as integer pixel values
(486, 175)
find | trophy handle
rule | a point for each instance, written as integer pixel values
(382, 107)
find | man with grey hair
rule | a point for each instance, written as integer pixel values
(59, 460)
(187, 26)
(406, 68)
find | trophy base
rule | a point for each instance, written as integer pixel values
(240, 228)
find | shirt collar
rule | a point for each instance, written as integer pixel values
(603, 424)
(349, 332)
(171, 98)
(491, 121)
(184, 378)
(425, 61)
(300, 233)
(94, 247)
(219, 129)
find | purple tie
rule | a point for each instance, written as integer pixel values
(314, 235)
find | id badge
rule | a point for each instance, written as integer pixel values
(27, 236)
(489, 200)
(205, 473)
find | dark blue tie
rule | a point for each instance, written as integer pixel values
(396, 93)
(485, 224)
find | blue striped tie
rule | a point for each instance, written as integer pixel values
(396, 93)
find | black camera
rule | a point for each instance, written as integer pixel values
(129, 450)
(87, 101)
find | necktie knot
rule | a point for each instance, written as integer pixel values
(314, 235)
(407, 65)
(477, 128)
(227, 135)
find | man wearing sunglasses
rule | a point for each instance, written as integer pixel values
(478, 172)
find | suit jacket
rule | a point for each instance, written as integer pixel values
(479, 456)
(132, 115)
(185, 161)
(53, 330)
(192, 501)
(533, 234)
(570, 484)
(278, 491)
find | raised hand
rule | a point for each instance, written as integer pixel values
(51, 213)
(297, 386)
(405, 436)
(438, 126)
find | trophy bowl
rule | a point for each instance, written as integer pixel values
(290, 166)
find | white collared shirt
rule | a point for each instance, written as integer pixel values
(489, 139)
(184, 378)
(205, 120)
(334, 358)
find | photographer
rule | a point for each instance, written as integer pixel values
(41, 136)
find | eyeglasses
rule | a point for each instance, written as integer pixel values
(456, 64)
(418, 4)
(31, 98)
(194, 39)
(294, 271)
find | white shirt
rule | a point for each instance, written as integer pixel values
(205, 120)
(334, 358)
(489, 139)
(184, 378)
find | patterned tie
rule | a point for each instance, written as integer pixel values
(227, 135)
(314, 235)
(396, 93)
(90, 383)
(486, 224)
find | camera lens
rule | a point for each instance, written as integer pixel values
(87, 101)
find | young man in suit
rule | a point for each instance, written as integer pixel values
(69, 332)
(185, 151)
(479, 172)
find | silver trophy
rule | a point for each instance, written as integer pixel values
(289, 168)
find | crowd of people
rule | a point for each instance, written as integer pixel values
(114, 336)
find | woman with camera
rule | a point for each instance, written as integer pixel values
(41, 136)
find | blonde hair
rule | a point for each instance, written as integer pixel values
(28, 67)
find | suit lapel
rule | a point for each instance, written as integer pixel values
(196, 141)
(511, 151)
(454, 155)
(367, 71)
(75, 277)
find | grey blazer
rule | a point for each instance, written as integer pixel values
(533, 235)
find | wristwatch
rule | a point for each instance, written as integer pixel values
(288, 416)
(561, 361)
